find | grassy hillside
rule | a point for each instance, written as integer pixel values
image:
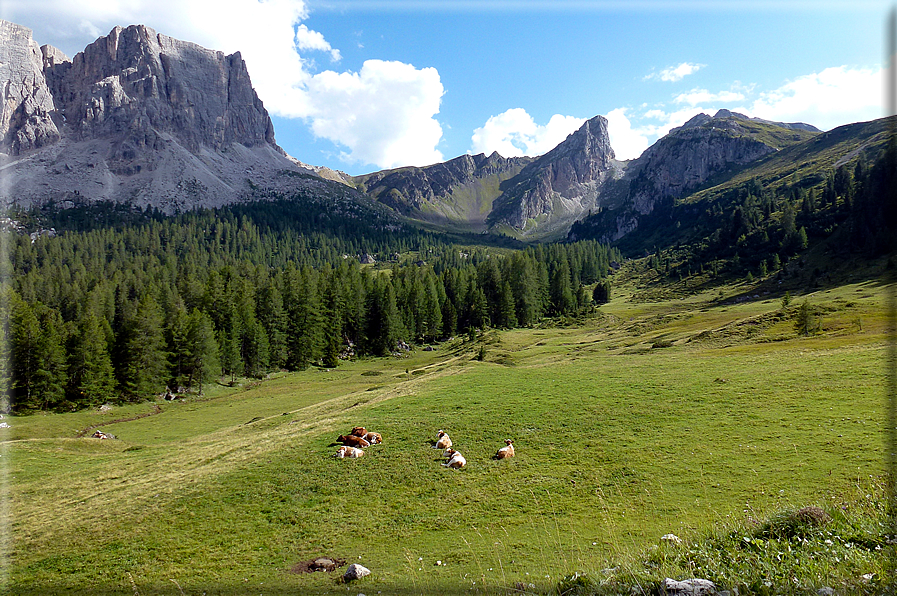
(665, 413)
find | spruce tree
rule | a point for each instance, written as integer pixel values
(145, 365)
(204, 364)
(91, 379)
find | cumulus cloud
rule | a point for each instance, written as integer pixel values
(627, 142)
(514, 133)
(835, 96)
(383, 114)
(306, 39)
(699, 96)
(387, 128)
(675, 73)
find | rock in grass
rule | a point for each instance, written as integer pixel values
(689, 587)
(671, 538)
(355, 571)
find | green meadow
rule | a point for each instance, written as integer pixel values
(695, 415)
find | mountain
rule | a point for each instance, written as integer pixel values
(744, 208)
(522, 197)
(550, 193)
(137, 117)
(458, 193)
(542, 198)
(690, 156)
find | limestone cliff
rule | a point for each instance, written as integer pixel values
(689, 157)
(28, 111)
(136, 117)
(560, 186)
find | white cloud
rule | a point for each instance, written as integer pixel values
(514, 133)
(386, 128)
(383, 114)
(632, 133)
(837, 95)
(697, 96)
(676, 73)
(306, 39)
(626, 142)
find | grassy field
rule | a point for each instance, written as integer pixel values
(691, 416)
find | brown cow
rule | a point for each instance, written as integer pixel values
(352, 441)
(359, 431)
(507, 451)
(373, 438)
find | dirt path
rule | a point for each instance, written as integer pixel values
(156, 410)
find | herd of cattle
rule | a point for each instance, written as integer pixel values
(354, 443)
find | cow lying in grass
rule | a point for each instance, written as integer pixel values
(455, 459)
(506, 451)
(346, 451)
(373, 438)
(442, 440)
(352, 441)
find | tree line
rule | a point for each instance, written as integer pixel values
(120, 312)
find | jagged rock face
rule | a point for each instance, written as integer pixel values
(688, 156)
(686, 159)
(136, 117)
(561, 185)
(27, 111)
(137, 83)
(461, 189)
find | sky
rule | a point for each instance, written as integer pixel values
(365, 85)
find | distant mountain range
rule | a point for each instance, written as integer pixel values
(144, 119)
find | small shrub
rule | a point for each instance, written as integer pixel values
(806, 322)
(793, 524)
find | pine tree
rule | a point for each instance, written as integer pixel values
(333, 341)
(176, 336)
(273, 318)
(562, 301)
(204, 364)
(601, 293)
(91, 378)
(449, 319)
(38, 356)
(506, 315)
(145, 366)
(382, 319)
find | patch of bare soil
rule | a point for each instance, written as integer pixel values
(318, 564)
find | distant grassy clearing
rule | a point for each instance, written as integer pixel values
(616, 447)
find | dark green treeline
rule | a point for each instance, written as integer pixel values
(120, 312)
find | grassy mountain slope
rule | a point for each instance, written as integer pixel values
(679, 414)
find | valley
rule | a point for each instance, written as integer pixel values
(686, 415)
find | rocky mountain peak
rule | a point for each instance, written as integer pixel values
(137, 83)
(559, 186)
(136, 117)
(28, 110)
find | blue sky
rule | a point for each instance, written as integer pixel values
(361, 85)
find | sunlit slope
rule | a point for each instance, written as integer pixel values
(656, 417)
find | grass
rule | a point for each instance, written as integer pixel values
(734, 421)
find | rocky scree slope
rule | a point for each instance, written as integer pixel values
(137, 117)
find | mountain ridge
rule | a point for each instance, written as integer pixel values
(141, 118)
